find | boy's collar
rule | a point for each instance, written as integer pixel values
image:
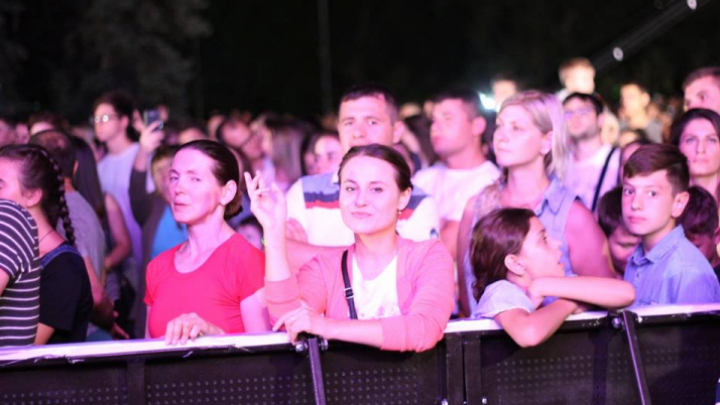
(661, 249)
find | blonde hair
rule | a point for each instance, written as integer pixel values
(547, 115)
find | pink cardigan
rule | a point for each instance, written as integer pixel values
(425, 288)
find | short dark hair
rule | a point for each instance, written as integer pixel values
(700, 216)
(467, 96)
(498, 234)
(403, 173)
(60, 146)
(710, 71)
(124, 105)
(225, 169)
(593, 99)
(658, 156)
(610, 211)
(164, 152)
(682, 121)
(54, 119)
(642, 87)
(373, 90)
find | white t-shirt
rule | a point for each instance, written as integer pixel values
(114, 173)
(452, 188)
(376, 298)
(582, 177)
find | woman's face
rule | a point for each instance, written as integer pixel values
(10, 188)
(541, 253)
(195, 194)
(369, 196)
(517, 140)
(699, 143)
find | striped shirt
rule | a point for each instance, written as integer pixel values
(20, 300)
(314, 202)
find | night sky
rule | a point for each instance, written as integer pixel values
(263, 55)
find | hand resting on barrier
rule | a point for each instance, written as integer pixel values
(189, 326)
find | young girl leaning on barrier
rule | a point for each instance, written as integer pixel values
(517, 266)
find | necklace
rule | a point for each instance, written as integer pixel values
(45, 236)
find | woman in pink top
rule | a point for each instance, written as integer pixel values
(209, 284)
(403, 290)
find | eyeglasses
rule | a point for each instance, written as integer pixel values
(96, 119)
(580, 112)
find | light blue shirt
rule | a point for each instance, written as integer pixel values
(502, 296)
(552, 211)
(673, 272)
(168, 235)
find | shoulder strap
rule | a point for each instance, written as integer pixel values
(598, 187)
(51, 255)
(349, 295)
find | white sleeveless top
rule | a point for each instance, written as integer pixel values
(376, 298)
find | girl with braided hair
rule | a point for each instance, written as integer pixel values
(32, 179)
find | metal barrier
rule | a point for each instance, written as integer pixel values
(663, 355)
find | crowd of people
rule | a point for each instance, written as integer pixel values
(374, 226)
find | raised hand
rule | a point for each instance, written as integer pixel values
(151, 137)
(266, 203)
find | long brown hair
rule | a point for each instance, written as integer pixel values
(498, 234)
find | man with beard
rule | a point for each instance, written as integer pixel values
(593, 165)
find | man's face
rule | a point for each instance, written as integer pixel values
(581, 119)
(633, 99)
(705, 244)
(502, 90)
(703, 93)
(580, 80)
(622, 245)
(7, 133)
(650, 207)
(452, 130)
(365, 121)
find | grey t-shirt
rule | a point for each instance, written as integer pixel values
(502, 296)
(89, 235)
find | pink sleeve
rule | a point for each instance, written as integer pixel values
(284, 296)
(252, 277)
(431, 306)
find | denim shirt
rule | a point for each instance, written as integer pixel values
(673, 272)
(552, 211)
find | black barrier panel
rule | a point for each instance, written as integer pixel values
(252, 379)
(94, 384)
(681, 358)
(587, 361)
(583, 364)
(357, 374)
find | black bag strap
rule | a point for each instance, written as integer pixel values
(602, 178)
(349, 295)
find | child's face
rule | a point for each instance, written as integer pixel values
(649, 206)
(622, 245)
(252, 234)
(541, 253)
(705, 244)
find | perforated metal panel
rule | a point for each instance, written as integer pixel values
(355, 375)
(87, 384)
(580, 367)
(682, 364)
(278, 378)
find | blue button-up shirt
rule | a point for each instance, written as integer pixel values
(673, 272)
